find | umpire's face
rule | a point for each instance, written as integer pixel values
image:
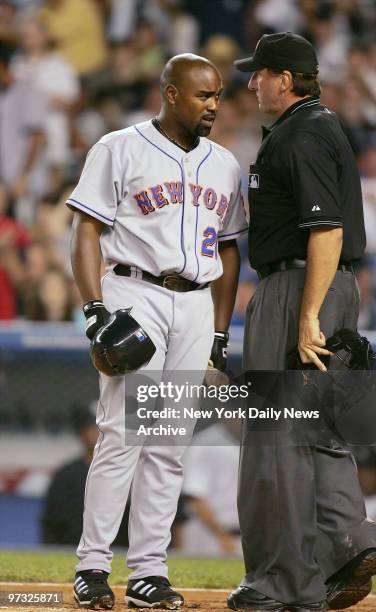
(197, 99)
(270, 89)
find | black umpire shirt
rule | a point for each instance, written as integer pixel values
(305, 177)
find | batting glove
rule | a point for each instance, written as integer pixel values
(216, 373)
(96, 316)
(218, 357)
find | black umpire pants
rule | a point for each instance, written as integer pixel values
(301, 511)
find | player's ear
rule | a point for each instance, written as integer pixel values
(171, 93)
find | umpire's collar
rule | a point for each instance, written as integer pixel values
(303, 103)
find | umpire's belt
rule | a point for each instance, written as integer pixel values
(294, 264)
(174, 282)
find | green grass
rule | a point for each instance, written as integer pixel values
(41, 566)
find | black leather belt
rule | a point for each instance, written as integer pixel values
(294, 264)
(174, 282)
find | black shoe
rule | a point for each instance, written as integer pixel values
(92, 591)
(318, 606)
(245, 598)
(353, 582)
(152, 592)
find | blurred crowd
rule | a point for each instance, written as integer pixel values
(73, 70)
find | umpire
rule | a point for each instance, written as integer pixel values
(306, 541)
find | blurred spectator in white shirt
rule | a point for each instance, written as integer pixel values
(210, 483)
(367, 167)
(277, 16)
(23, 165)
(366, 461)
(52, 75)
(331, 44)
(122, 20)
(183, 32)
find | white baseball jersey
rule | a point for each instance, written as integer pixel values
(165, 209)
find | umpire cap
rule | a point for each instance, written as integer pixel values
(122, 345)
(283, 51)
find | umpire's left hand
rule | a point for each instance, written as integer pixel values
(311, 342)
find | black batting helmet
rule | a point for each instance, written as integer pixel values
(122, 345)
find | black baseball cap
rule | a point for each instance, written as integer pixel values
(283, 51)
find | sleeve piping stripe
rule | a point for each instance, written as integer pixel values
(245, 229)
(91, 209)
(328, 222)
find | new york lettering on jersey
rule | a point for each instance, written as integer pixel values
(171, 192)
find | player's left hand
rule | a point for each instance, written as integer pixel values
(312, 342)
(216, 372)
(218, 355)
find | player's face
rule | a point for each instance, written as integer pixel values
(267, 86)
(197, 102)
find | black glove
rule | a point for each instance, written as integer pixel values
(218, 357)
(96, 316)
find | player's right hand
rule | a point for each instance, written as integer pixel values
(96, 316)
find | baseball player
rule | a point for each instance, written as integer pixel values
(163, 206)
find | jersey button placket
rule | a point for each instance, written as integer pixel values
(188, 169)
(188, 220)
(189, 223)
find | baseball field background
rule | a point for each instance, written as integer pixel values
(96, 63)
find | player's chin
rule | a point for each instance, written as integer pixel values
(204, 128)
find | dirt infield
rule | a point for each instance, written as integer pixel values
(195, 599)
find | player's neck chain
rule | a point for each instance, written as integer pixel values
(158, 126)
